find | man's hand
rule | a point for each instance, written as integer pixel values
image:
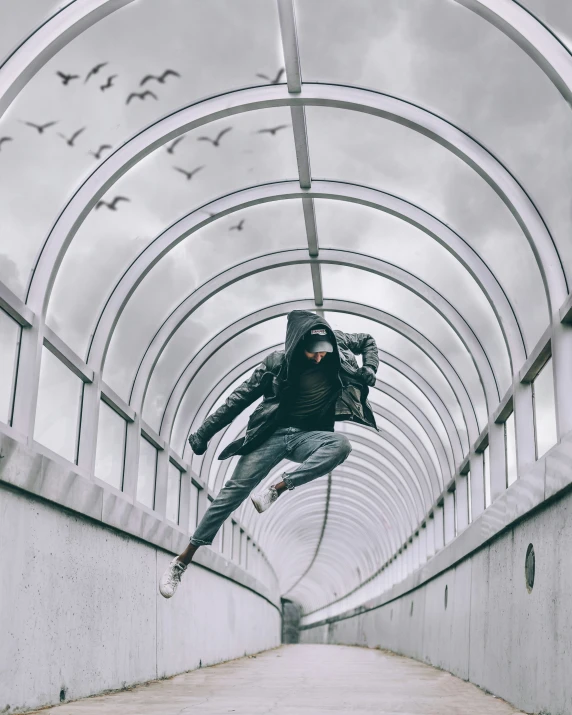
(366, 375)
(198, 445)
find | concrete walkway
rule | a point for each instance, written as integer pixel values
(299, 680)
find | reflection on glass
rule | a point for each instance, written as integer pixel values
(173, 493)
(544, 410)
(194, 508)
(487, 474)
(510, 444)
(147, 473)
(110, 451)
(9, 337)
(21, 19)
(57, 413)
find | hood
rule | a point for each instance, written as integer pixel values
(299, 322)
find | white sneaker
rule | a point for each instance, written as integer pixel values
(171, 578)
(264, 499)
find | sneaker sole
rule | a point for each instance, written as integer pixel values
(258, 509)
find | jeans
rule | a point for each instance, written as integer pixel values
(318, 453)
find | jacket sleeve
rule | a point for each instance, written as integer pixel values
(244, 395)
(363, 344)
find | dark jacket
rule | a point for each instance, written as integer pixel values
(270, 381)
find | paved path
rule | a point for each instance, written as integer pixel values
(301, 680)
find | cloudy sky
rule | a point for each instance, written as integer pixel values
(432, 52)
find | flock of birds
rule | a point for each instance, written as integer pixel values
(160, 79)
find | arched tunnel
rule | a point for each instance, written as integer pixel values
(178, 178)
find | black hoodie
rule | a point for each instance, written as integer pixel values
(270, 380)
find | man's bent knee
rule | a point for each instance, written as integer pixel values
(343, 446)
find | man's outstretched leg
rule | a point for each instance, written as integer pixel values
(249, 472)
(317, 453)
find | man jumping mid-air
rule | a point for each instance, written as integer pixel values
(312, 383)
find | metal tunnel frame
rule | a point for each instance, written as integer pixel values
(414, 494)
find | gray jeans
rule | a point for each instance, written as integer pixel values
(316, 452)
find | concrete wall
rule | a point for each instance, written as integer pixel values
(516, 644)
(80, 610)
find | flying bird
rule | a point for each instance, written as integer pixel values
(215, 142)
(97, 154)
(70, 141)
(66, 78)
(141, 95)
(95, 70)
(188, 174)
(171, 147)
(112, 206)
(109, 83)
(276, 79)
(239, 226)
(159, 78)
(40, 127)
(272, 130)
(5, 139)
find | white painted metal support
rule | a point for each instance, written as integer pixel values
(298, 114)
(439, 518)
(89, 425)
(462, 502)
(477, 484)
(562, 373)
(16, 308)
(497, 456)
(63, 352)
(524, 426)
(185, 500)
(449, 517)
(317, 283)
(423, 544)
(161, 482)
(311, 229)
(28, 380)
(430, 525)
(131, 469)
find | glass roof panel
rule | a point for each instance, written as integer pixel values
(356, 285)
(403, 414)
(556, 14)
(399, 346)
(348, 146)
(133, 334)
(450, 60)
(109, 242)
(186, 36)
(369, 231)
(398, 381)
(24, 17)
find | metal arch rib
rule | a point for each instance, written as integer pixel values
(445, 133)
(520, 25)
(333, 190)
(332, 256)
